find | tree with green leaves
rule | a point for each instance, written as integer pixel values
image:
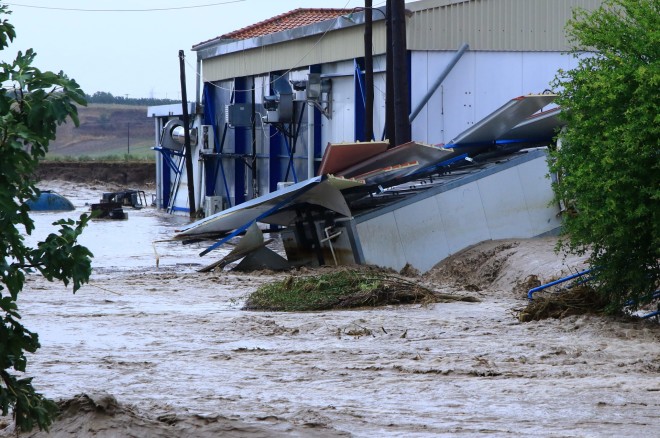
(32, 104)
(609, 159)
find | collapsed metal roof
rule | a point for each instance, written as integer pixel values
(384, 177)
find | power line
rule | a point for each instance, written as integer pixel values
(125, 10)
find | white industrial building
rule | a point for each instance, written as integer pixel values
(271, 101)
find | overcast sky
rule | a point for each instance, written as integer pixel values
(130, 47)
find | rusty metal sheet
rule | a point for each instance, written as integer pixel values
(423, 154)
(339, 156)
(388, 173)
(503, 120)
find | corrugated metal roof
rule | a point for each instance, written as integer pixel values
(511, 25)
(488, 25)
(288, 20)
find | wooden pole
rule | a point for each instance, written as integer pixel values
(368, 72)
(389, 80)
(186, 137)
(400, 73)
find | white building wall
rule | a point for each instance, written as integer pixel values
(510, 203)
(341, 127)
(478, 84)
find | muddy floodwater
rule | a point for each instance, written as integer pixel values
(174, 350)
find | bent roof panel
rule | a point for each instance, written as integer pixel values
(503, 120)
(320, 190)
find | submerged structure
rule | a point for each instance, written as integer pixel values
(111, 205)
(277, 133)
(49, 200)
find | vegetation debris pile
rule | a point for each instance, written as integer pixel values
(343, 289)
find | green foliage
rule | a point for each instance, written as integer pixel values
(32, 104)
(609, 161)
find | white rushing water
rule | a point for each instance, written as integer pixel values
(167, 339)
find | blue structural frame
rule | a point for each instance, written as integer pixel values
(168, 166)
(214, 166)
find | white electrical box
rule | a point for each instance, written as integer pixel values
(212, 205)
(206, 139)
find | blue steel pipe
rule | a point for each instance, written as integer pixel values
(553, 283)
(290, 165)
(657, 312)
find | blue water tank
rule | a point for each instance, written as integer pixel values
(50, 201)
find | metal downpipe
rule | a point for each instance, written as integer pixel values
(439, 81)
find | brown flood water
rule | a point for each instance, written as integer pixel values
(166, 341)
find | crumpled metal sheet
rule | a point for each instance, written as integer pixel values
(538, 126)
(320, 190)
(423, 154)
(502, 120)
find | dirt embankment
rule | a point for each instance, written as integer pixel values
(127, 173)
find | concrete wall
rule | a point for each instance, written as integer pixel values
(507, 200)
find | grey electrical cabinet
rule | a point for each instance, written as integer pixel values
(238, 115)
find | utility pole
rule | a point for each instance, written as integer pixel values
(400, 72)
(186, 137)
(368, 72)
(128, 138)
(389, 79)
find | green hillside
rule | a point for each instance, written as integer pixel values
(106, 130)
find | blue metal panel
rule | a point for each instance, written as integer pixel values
(215, 167)
(318, 146)
(359, 101)
(166, 182)
(318, 138)
(242, 140)
(276, 167)
(209, 119)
